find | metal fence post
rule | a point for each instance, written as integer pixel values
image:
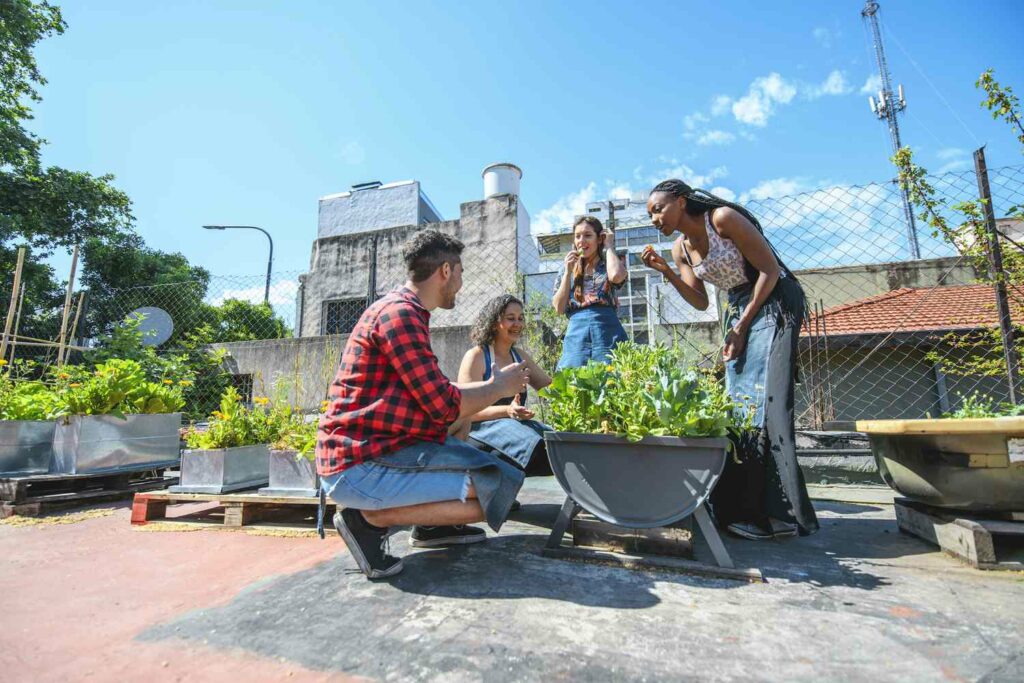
(995, 261)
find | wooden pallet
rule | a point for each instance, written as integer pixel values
(981, 542)
(40, 494)
(232, 509)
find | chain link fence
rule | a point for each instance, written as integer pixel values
(888, 335)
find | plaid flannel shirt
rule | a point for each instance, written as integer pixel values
(389, 391)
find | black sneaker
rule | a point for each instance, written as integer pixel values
(749, 531)
(367, 544)
(516, 506)
(433, 536)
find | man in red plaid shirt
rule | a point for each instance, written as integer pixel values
(384, 450)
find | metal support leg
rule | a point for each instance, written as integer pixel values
(707, 528)
(569, 510)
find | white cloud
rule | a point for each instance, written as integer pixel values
(823, 36)
(834, 84)
(872, 85)
(715, 137)
(281, 293)
(950, 153)
(758, 104)
(565, 210)
(776, 187)
(721, 104)
(692, 121)
(353, 153)
(723, 192)
(955, 165)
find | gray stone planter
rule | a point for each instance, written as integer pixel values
(224, 470)
(638, 485)
(26, 447)
(85, 444)
(291, 475)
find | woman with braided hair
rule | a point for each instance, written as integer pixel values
(762, 494)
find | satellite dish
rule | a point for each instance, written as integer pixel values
(156, 325)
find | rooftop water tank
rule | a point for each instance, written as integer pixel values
(501, 179)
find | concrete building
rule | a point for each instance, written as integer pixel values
(357, 257)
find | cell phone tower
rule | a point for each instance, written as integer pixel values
(890, 104)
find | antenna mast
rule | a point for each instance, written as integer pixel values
(889, 104)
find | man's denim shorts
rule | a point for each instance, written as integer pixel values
(372, 486)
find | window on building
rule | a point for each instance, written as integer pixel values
(243, 385)
(341, 315)
(638, 285)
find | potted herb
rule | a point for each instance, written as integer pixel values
(26, 432)
(112, 418)
(232, 452)
(640, 441)
(971, 459)
(292, 455)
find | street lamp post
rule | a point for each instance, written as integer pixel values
(270, 260)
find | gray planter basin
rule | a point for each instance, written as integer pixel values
(975, 465)
(224, 470)
(26, 447)
(291, 476)
(84, 444)
(650, 483)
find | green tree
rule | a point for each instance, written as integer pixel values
(44, 209)
(123, 274)
(246, 321)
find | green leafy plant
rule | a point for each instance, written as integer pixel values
(642, 391)
(234, 425)
(978, 405)
(22, 398)
(116, 387)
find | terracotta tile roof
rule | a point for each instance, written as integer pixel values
(962, 307)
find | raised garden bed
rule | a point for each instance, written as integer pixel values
(224, 469)
(26, 447)
(966, 464)
(84, 444)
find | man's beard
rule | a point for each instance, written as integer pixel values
(448, 299)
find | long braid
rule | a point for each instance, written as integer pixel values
(704, 200)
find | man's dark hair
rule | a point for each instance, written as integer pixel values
(427, 251)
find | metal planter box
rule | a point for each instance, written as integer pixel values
(26, 447)
(291, 475)
(85, 444)
(639, 485)
(224, 470)
(975, 464)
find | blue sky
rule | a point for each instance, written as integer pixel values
(247, 112)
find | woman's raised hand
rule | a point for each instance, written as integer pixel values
(570, 260)
(654, 260)
(519, 412)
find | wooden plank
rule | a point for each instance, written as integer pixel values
(675, 540)
(145, 509)
(1011, 426)
(961, 538)
(234, 498)
(750, 575)
(40, 505)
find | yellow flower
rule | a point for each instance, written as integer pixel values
(63, 375)
(219, 415)
(167, 381)
(185, 383)
(2, 362)
(74, 385)
(261, 400)
(324, 405)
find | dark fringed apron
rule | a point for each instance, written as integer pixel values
(762, 478)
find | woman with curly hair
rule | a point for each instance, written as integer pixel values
(761, 494)
(507, 427)
(585, 291)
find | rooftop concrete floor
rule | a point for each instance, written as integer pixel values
(99, 600)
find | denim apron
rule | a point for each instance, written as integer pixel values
(517, 440)
(764, 480)
(592, 333)
(496, 481)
